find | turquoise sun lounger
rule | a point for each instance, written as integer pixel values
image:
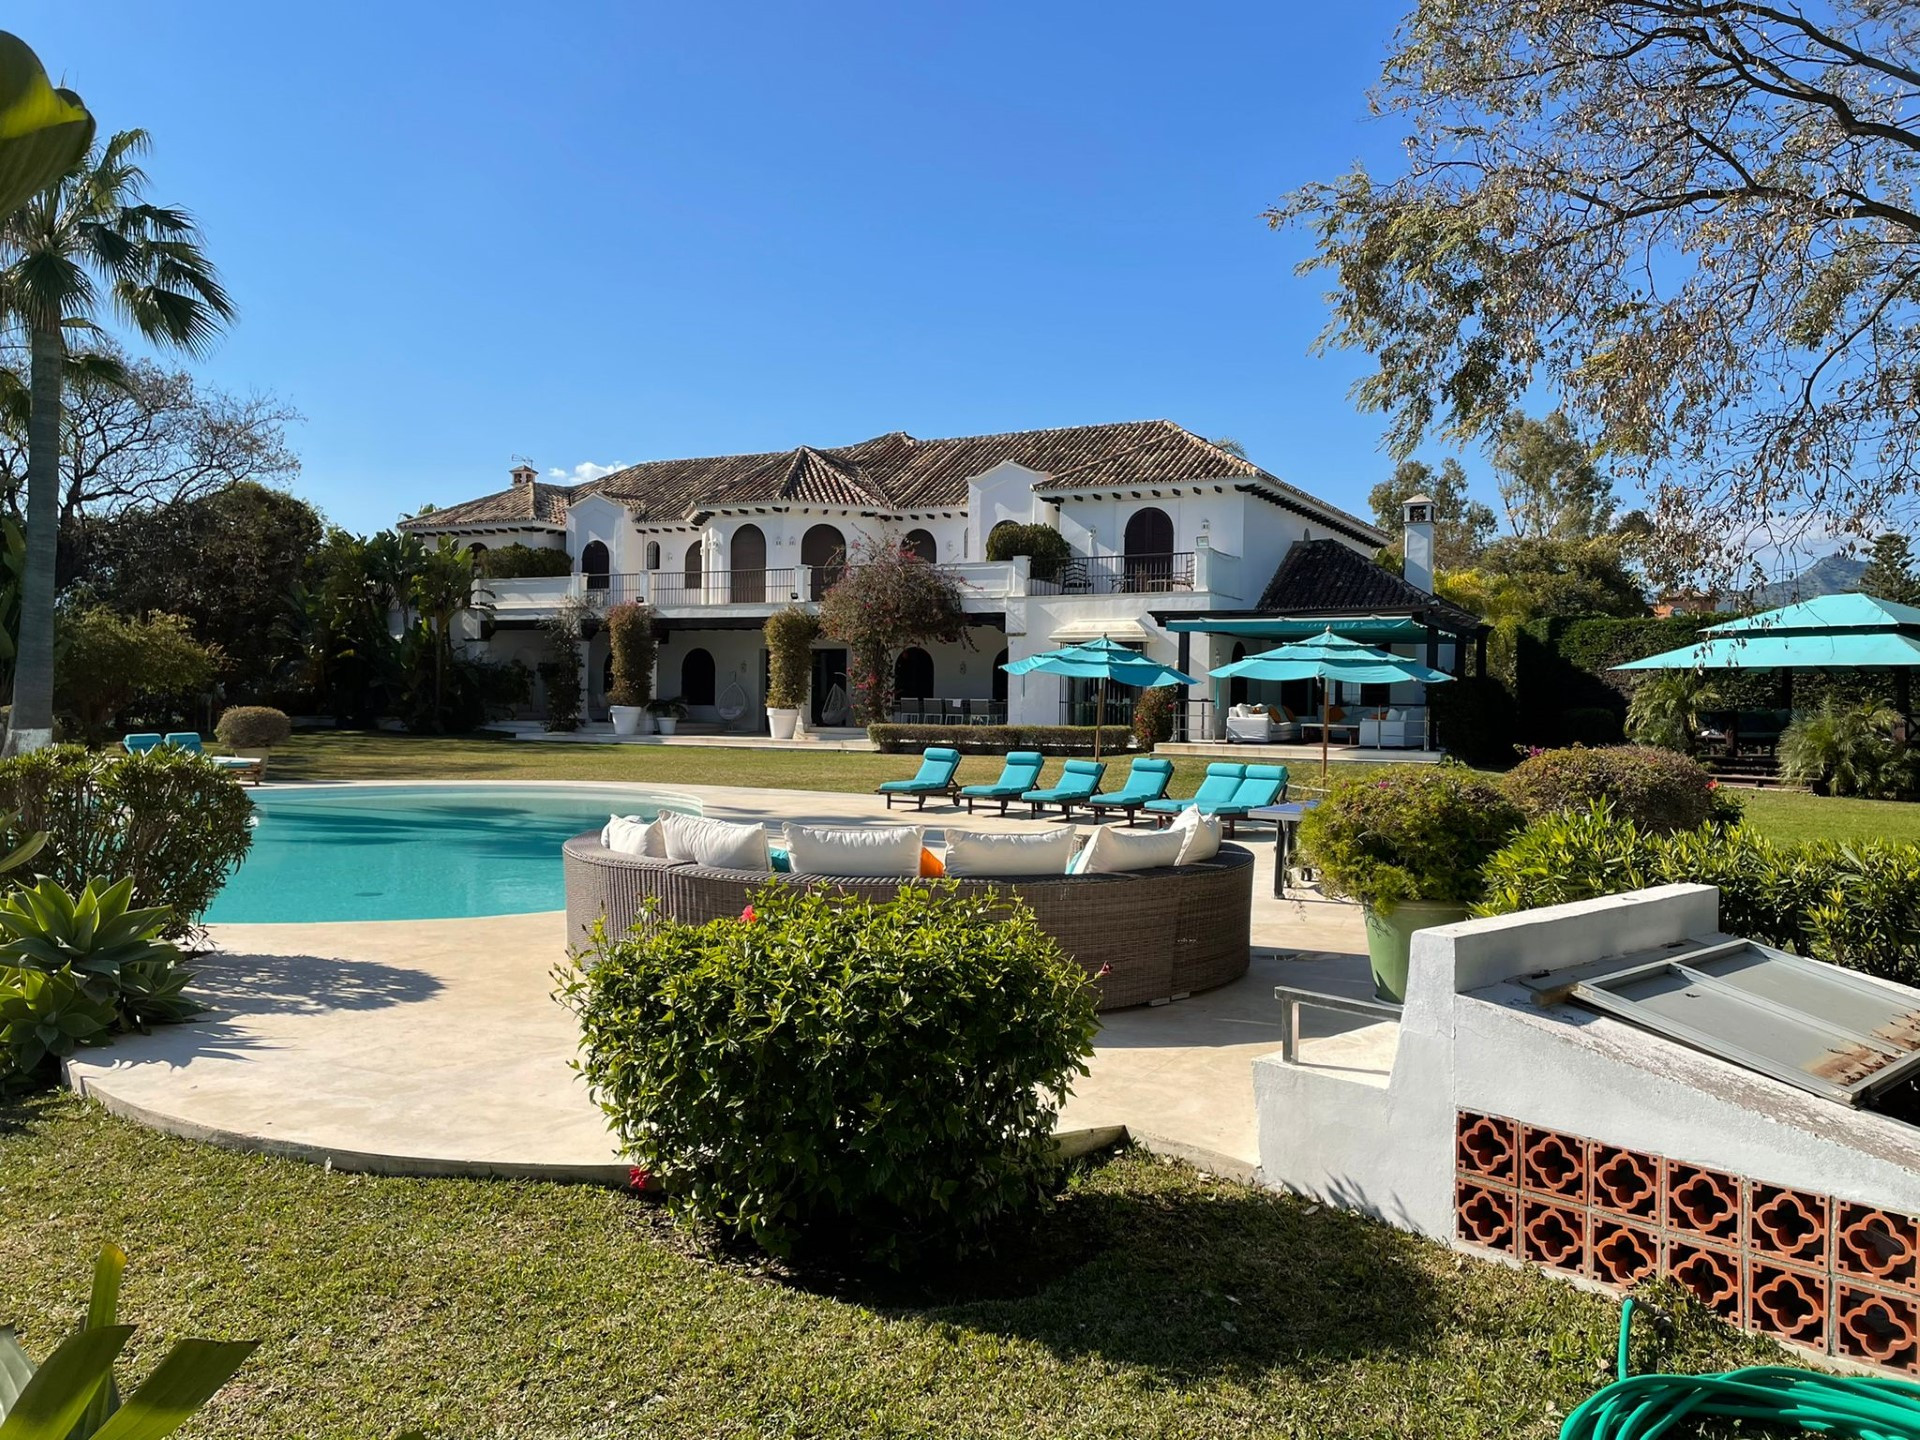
(1147, 779)
(1019, 774)
(935, 777)
(1075, 787)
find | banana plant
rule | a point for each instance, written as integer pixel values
(72, 1396)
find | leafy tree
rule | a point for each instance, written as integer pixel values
(1695, 221)
(224, 561)
(1563, 577)
(342, 618)
(1890, 572)
(56, 251)
(1462, 525)
(887, 600)
(440, 590)
(1549, 484)
(106, 663)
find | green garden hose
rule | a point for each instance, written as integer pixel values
(1640, 1407)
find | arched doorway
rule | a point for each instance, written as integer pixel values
(913, 675)
(1148, 548)
(653, 554)
(1001, 529)
(747, 559)
(595, 565)
(825, 549)
(1000, 677)
(690, 572)
(606, 676)
(696, 678)
(1237, 686)
(922, 546)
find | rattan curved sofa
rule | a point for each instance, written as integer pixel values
(1157, 934)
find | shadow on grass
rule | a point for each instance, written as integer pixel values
(1185, 1277)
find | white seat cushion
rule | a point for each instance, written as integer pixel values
(1199, 835)
(1111, 851)
(630, 835)
(869, 850)
(980, 852)
(715, 843)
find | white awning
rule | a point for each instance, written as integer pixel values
(1124, 632)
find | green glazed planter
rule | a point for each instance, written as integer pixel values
(1390, 938)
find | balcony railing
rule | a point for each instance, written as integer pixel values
(669, 589)
(1113, 575)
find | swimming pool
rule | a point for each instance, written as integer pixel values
(417, 852)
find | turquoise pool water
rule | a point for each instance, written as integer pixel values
(417, 852)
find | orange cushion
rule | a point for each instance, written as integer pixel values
(1335, 713)
(931, 865)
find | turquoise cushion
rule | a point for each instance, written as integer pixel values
(781, 861)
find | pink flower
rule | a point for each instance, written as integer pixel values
(637, 1178)
(1103, 972)
(749, 915)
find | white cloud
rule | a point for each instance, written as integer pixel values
(583, 472)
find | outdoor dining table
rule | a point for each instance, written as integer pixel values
(1286, 821)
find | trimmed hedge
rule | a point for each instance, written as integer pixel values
(1473, 719)
(999, 739)
(518, 562)
(1659, 790)
(1855, 904)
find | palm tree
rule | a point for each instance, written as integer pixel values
(92, 230)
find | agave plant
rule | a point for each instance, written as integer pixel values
(72, 1395)
(114, 951)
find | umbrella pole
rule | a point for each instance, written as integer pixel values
(1099, 712)
(1325, 712)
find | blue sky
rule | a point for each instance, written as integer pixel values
(591, 233)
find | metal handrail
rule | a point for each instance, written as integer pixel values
(1295, 998)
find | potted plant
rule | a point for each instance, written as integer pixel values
(1409, 843)
(631, 639)
(252, 731)
(790, 634)
(667, 715)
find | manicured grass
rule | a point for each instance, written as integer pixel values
(1797, 815)
(352, 755)
(1170, 1305)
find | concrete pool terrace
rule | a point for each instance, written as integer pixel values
(434, 1047)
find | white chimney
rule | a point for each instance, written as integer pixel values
(1418, 515)
(524, 474)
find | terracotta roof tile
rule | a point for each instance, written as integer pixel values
(1323, 576)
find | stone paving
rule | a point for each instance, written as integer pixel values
(434, 1047)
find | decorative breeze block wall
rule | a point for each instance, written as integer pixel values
(1839, 1277)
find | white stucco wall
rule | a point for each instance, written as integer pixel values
(1473, 1039)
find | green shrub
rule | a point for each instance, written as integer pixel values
(1856, 905)
(106, 664)
(1657, 789)
(1666, 709)
(253, 727)
(999, 739)
(1473, 719)
(520, 562)
(836, 1073)
(174, 824)
(75, 968)
(631, 639)
(790, 634)
(1847, 750)
(1045, 546)
(1153, 716)
(1409, 832)
(1589, 725)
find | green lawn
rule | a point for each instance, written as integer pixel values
(351, 755)
(1161, 1304)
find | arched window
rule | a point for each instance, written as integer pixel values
(1000, 677)
(690, 572)
(825, 549)
(748, 561)
(476, 550)
(1148, 548)
(920, 543)
(653, 554)
(1000, 529)
(594, 564)
(696, 678)
(913, 673)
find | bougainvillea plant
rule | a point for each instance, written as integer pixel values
(888, 599)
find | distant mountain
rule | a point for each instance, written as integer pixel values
(1829, 575)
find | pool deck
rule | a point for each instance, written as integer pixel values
(434, 1046)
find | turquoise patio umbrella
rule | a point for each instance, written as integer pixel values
(1102, 661)
(1330, 657)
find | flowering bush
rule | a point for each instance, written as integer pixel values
(1408, 832)
(1658, 789)
(1153, 715)
(888, 599)
(840, 1073)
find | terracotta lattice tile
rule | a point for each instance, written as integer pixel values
(1621, 1254)
(1553, 1235)
(1702, 1202)
(1624, 1181)
(1484, 1216)
(1486, 1145)
(1712, 1275)
(1875, 1245)
(1876, 1327)
(1553, 1164)
(1791, 1304)
(1787, 1224)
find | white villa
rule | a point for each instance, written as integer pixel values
(1172, 536)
